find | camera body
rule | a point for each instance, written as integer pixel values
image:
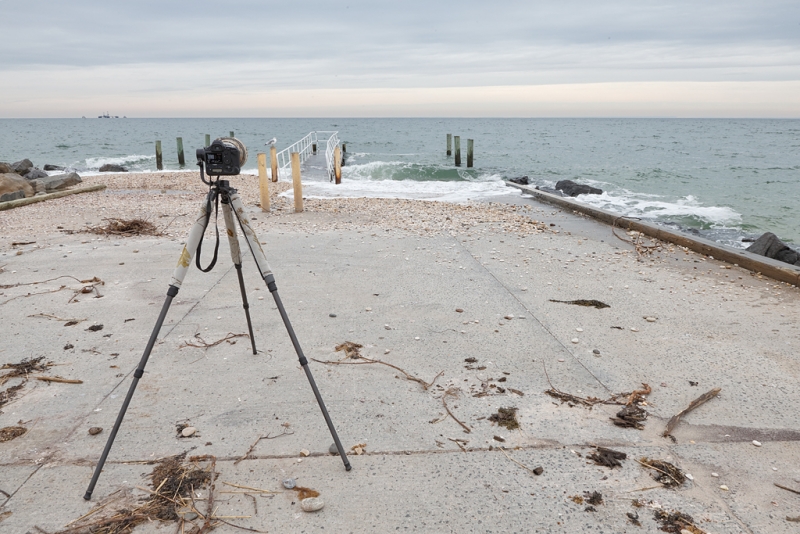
(223, 157)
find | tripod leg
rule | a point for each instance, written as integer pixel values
(236, 255)
(266, 273)
(195, 235)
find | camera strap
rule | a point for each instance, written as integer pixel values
(215, 195)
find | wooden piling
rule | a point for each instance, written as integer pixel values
(263, 182)
(298, 186)
(181, 159)
(273, 158)
(159, 159)
(344, 149)
(470, 147)
(232, 135)
(457, 140)
(208, 140)
(449, 144)
(337, 165)
(314, 148)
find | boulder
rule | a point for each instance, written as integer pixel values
(522, 180)
(22, 167)
(770, 246)
(34, 174)
(572, 189)
(12, 182)
(550, 190)
(57, 182)
(5, 168)
(16, 195)
(49, 167)
(108, 167)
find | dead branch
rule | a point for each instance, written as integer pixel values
(453, 392)
(702, 399)
(205, 345)
(425, 385)
(253, 446)
(460, 443)
(787, 489)
(58, 379)
(503, 450)
(257, 490)
(49, 316)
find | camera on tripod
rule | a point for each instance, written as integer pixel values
(224, 157)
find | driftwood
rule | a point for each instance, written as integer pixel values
(58, 379)
(425, 385)
(702, 399)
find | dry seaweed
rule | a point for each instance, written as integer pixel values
(583, 302)
(351, 350)
(676, 522)
(11, 432)
(9, 394)
(124, 227)
(630, 416)
(24, 368)
(665, 474)
(506, 417)
(607, 457)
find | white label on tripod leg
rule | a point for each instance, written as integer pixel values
(233, 238)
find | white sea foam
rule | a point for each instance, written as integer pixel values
(652, 207)
(96, 163)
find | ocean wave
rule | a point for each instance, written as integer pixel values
(96, 163)
(405, 171)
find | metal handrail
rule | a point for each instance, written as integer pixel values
(304, 148)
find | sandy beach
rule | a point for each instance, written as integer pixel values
(476, 300)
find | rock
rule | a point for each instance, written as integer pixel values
(312, 504)
(33, 174)
(596, 352)
(16, 195)
(756, 443)
(49, 167)
(190, 516)
(5, 168)
(188, 431)
(109, 167)
(770, 246)
(22, 167)
(332, 449)
(550, 190)
(289, 483)
(538, 471)
(331, 315)
(650, 319)
(304, 452)
(522, 180)
(12, 182)
(575, 340)
(508, 317)
(95, 430)
(58, 182)
(572, 189)
(723, 487)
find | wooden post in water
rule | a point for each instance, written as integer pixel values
(470, 146)
(232, 135)
(337, 165)
(263, 182)
(344, 153)
(314, 148)
(449, 144)
(457, 140)
(273, 158)
(159, 160)
(208, 140)
(181, 159)
(344, 148)
(298, 186)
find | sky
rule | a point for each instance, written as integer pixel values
(409, 58)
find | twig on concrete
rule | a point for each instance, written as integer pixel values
(58, 379)
(253, 446)
(459, 443)
(203, 344)
(49, 316)
(453, 392)
(257, 490)
(702, 399)
(660, 471)
(425, 385)
(503, 450)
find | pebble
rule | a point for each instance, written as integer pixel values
(190, 516)
(312, 504)
(634, 329)
(715, 475)
(723, 487)
(650, 319)
(95, 430)
(538, 471)
(756, 443)
(579, 329)
(387, 327)
(689, 476)
(387, 351)
(575, 340)
(368, 309)
(304, 452)
(596, 352)
(135, 250)
(188, 431)
(459, 310)
(289, 483)
(684, 531)
(417, 338)
(329, 315)
(508, 317)
(332, 449)
(561, 359)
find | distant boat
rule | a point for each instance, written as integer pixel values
(107, 116)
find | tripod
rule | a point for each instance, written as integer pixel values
(232, 207)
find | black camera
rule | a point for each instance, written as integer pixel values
(224, 157)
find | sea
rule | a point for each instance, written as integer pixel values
(729, 180)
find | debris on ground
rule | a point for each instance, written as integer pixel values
(358, 449)
(665, 473)
(95, 328)
(95, 430)
(174, 480)
(506, 417)
(633, 517)
(702, 399)
(676, 522)
(607, 457)
(582, 302)
(203, 344)
(24, 368)
(124, 227)
(351, 350)
(8, 395)
(312, 504)
(630, 416)
(11, 432)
